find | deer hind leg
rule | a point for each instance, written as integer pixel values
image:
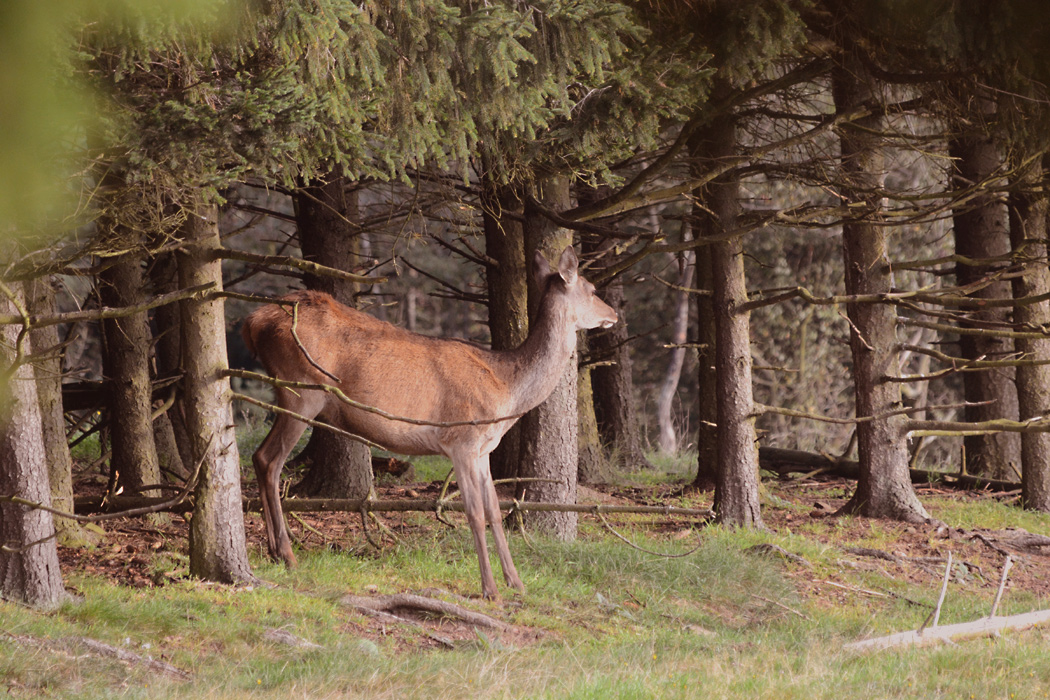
(269, 460)
(495, 518)
(467, 476)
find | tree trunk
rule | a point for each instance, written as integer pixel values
(46, 342)
(612, 378)
(125, 364)
(668, 439)
(507, 284)
(736, 481)
(884, 488)
(169, 430)
(326, 215)
(1028, 232)
(613, 385)
(707, 378)
(29, 574)
(592, 465)
(549, 441)
(981, 232)
(217, 540)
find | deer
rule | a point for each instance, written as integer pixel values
(461, 397)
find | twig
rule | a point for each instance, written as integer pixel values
(152, 507)
(314, 423)
(1002, 585)
(281, 384)
(304, 265)
(781, 605)
(626, 541)
(940, 599)
(306, 354)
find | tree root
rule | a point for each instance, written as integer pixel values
(407, 601)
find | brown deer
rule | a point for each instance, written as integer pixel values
(436, 381)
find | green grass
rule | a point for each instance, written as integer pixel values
(598, 620)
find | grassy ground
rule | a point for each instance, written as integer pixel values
(599, 619)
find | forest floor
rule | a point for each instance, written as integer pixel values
(909, 554)
(744, 613)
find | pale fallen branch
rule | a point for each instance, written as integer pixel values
(985, 627)
(97, 648)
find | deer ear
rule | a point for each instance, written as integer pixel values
(541, 269)
(568, 265)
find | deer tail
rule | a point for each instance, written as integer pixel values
(249, 337)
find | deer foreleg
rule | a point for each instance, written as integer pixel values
(495, 518)
(467, 477)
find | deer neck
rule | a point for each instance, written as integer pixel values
(538, 364)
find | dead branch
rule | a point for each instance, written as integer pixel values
(783, 461)
(299, 264)
(947, 328)
(986, 627)
(917, 428)
(418, 603)
(97, 648)
(1007, 563)
(37, 321)
(93, 504)
(307, 355)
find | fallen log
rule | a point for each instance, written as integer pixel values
(782, 461)
(988, 626)
(95, 504)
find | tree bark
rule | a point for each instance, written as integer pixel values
(29, 573)
(981, 232)
(736, 500)
(707, 378)
(884, 489)
(217, 539)
(549, 439)
(125, 364)
(1028, 231)
(40, 299)
(507, 283)
(613, 385)
(169, 430)
(592, 465)
(326, 215)
(612, 378)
